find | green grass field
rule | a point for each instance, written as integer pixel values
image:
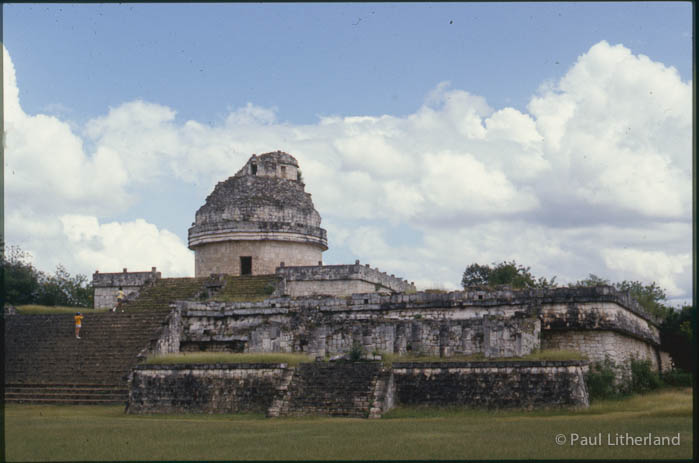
(388, 359)
(45, 433)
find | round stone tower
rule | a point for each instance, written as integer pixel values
(256, 220)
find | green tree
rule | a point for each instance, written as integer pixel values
(677, 337)
(62, 288)
(24, 284)
(476, 275)
(650, 296)
(20, 278)
(504, 273)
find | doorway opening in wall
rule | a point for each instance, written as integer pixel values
(246, 265)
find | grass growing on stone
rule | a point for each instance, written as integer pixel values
(229, 357)
(546, 354)
(50, 309)
(79, 433)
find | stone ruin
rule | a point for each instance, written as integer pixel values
(257, 220)
(261, 222)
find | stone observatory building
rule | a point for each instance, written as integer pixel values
(257, 220)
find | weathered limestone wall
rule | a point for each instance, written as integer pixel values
(599, 315)
(419, 323)
(338, 280)
(598, 345)
(328, 288)
(497, 324)
(334, 389)
(492, 384)
(363, 389)
(230, 388)
(106, 285)
(224, 257)
(169, 338)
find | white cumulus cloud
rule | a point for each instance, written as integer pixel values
(595, 177)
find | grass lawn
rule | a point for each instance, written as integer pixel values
(44, 433)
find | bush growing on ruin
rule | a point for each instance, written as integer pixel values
(504, 273)
(356, 352)
(643, 378)
(677, 378)
(601, 380)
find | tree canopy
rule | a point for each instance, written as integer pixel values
(504, 273)
(24, 284)
(650, 296)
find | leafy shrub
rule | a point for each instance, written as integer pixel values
(356, 352)
(643, 378)
(601, 380)
(677, 378)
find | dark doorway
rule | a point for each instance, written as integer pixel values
(246, 265)
(253, 168)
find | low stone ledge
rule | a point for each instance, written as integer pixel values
(210, 366)
(492, 364)
(492, 385)
(204, 388)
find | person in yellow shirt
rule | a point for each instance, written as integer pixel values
(78, 324)
(120, 298)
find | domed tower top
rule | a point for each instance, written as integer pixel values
(274, 164)
(262, 214)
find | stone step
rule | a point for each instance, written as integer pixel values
(67, 401)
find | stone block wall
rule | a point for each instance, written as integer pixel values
(334, 389)
(599, 316)
(329, 326)
(361, 389)
(338, 280)
(224, 257)
(597, 345)
(492, 384)
(230, 388)
(106, 285)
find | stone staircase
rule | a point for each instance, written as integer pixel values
(335, 389)
(162, 292)
(45, 363)
(67, 394)
(248, 288)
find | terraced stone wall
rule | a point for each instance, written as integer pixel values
(203, 388)
(361, 389)
(492, 384)
(331, 326)
(496, 323)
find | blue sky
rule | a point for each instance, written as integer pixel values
(382, 104)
